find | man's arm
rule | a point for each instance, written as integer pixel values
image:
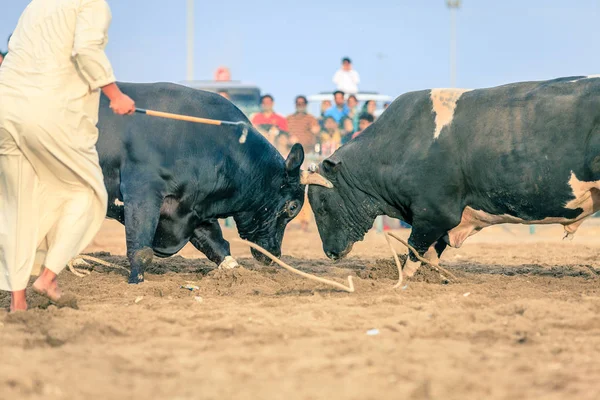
(91, 29)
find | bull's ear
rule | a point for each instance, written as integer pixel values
(331, 164)
(295, 158)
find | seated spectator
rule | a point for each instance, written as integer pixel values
(1, 57)
(225, 94)
(347, 129)
(331, 138)
(303, 127)
(282, 143)
(325, 105)
(379, 112)
(352, 103)
(370, 107)
(270, 132)
(364, 121)
(340, 109)
(268, 116)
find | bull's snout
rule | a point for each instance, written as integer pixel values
(338, 255)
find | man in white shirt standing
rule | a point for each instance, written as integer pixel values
(346, 78)
(52, 195)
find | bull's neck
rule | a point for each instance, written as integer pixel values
(256, 185)
(361, 207)
(374, 185)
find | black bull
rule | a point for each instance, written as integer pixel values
(170, 181)
(451, 162)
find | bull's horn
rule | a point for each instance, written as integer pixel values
(314, 178)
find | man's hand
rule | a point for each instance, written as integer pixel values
(122, 105)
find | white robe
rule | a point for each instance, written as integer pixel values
(52, 195)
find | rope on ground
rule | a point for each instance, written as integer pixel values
(435, 266)
(349, 288)
(80, 260)
(400, 275)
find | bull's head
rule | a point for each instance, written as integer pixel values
(343, 215)
(266, 225)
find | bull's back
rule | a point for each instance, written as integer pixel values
(523, 143)
(164, 141)
(177, 152)
(508, 149)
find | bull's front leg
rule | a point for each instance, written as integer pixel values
(143, 198)
(208, 238)
(427, 240)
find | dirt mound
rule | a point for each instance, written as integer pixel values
(555, 271)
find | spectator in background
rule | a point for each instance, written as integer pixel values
(225, 94)
(345, 78)
(352, 103)
(331, 137)
(1, 57)
(364, 121)
(268, 122)
(379, 112)
(347, 129)
(303, 127)
(282, 143)
(325, 105)
(340, 109)
(370, 107)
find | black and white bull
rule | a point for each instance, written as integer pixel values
(170, 181)
(451, 162)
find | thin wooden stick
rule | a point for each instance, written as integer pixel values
(180, 117)
(198, 120)
(437, 267)
(350, 287)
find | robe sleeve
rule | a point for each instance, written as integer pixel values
(91, 36)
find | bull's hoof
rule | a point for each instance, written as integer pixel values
(410, 267)
(569, 235)
(136, 278)
(229, 263)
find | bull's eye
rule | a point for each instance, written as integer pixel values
(293, 208)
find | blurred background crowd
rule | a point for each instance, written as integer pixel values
(339, 120)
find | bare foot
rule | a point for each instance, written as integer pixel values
(46, 285)
(18, 301)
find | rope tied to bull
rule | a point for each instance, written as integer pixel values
(439, 269)
(80, 260)
(349, 288)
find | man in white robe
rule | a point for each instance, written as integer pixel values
(52, 195)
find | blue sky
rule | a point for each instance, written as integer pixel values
(288, 48)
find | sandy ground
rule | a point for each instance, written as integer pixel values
(523, 323)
